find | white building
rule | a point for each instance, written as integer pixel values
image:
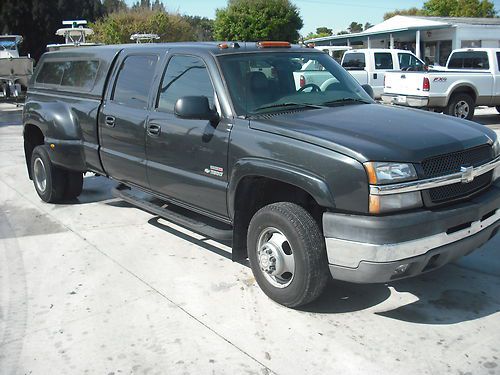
(431, 38)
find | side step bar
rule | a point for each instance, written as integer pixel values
(124, 192)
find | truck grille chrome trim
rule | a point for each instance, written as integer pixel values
(429, 183)
(349, 253)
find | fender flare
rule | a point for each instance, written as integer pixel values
(254, 167)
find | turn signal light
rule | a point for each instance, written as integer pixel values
(272, 44)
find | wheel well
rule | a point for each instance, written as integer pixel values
(253, 193)
(465, 90)
(33, 137)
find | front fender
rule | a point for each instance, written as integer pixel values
(255, 167)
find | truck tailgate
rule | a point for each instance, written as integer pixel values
(405, 83)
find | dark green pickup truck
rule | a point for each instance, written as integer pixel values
(308, 182)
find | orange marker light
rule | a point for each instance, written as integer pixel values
(223, 46)
(374, 205)
(370, 171)
(52, 146)
(273, 44)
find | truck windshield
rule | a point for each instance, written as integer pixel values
(272, 81)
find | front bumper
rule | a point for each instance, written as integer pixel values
(377, 249)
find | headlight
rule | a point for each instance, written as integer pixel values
(496, 147)
(380, 173)
(496, 152)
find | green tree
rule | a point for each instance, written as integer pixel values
(203, 28)
(459, 8)
(321, 32)
(111, 6)
(258, 20)
(367, 25)
(403, 12)
(355, 27)
(38, 20)
(118, 27)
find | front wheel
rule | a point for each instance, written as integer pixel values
(461, 106)
(287, 254)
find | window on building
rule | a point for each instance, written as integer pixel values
(471, 44)
(184, 76)
(469, 60)
(383, 60)
(134, 80)
(430, 53)
(445, 48)
(353, 61)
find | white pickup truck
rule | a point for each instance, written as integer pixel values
(471, 78)
(369, 66)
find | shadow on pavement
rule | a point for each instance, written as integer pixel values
(95, 189)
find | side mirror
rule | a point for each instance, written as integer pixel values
(195, 108)
(368, 89)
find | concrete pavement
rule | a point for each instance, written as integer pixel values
(99, 287)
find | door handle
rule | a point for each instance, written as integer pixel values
(110, 121)
(154, 130)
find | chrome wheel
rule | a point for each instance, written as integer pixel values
(40, 175)
(275, 257)
(462, 109)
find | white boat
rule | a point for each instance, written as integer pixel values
(15, 70)
(74, 36)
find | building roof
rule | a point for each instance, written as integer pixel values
(406, 23)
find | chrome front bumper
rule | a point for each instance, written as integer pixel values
(370, 249)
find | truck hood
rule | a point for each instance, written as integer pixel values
(374, 132)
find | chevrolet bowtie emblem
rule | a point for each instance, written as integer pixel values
(467, 174)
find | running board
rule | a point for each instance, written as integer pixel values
(124, 192)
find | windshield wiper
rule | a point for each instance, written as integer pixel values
(346, 100)
(289, 104)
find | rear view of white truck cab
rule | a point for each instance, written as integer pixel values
(471, 78)
(369, 66)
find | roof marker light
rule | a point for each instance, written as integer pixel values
(273, 44)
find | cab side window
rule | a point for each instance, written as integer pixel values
(383, 60)
(408, 62)
(184, 76)
(135, 80)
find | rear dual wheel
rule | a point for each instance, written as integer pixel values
(53, 184)
(287, 254)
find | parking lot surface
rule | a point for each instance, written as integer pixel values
(97, 286)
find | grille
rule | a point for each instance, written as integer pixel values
(451, 163)
(459, 190)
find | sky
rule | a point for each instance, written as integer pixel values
(334, 14)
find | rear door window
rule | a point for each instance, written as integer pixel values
(184, 76)
(353, 61)
(383, 60)
(135, 80)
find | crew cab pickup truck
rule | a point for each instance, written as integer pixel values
(306, 185)
(369, 66)
(471, 78)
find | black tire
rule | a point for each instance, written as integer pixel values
(461, 106)
(305, 243)
(498, 108)
(74, 184)
(52, 190)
